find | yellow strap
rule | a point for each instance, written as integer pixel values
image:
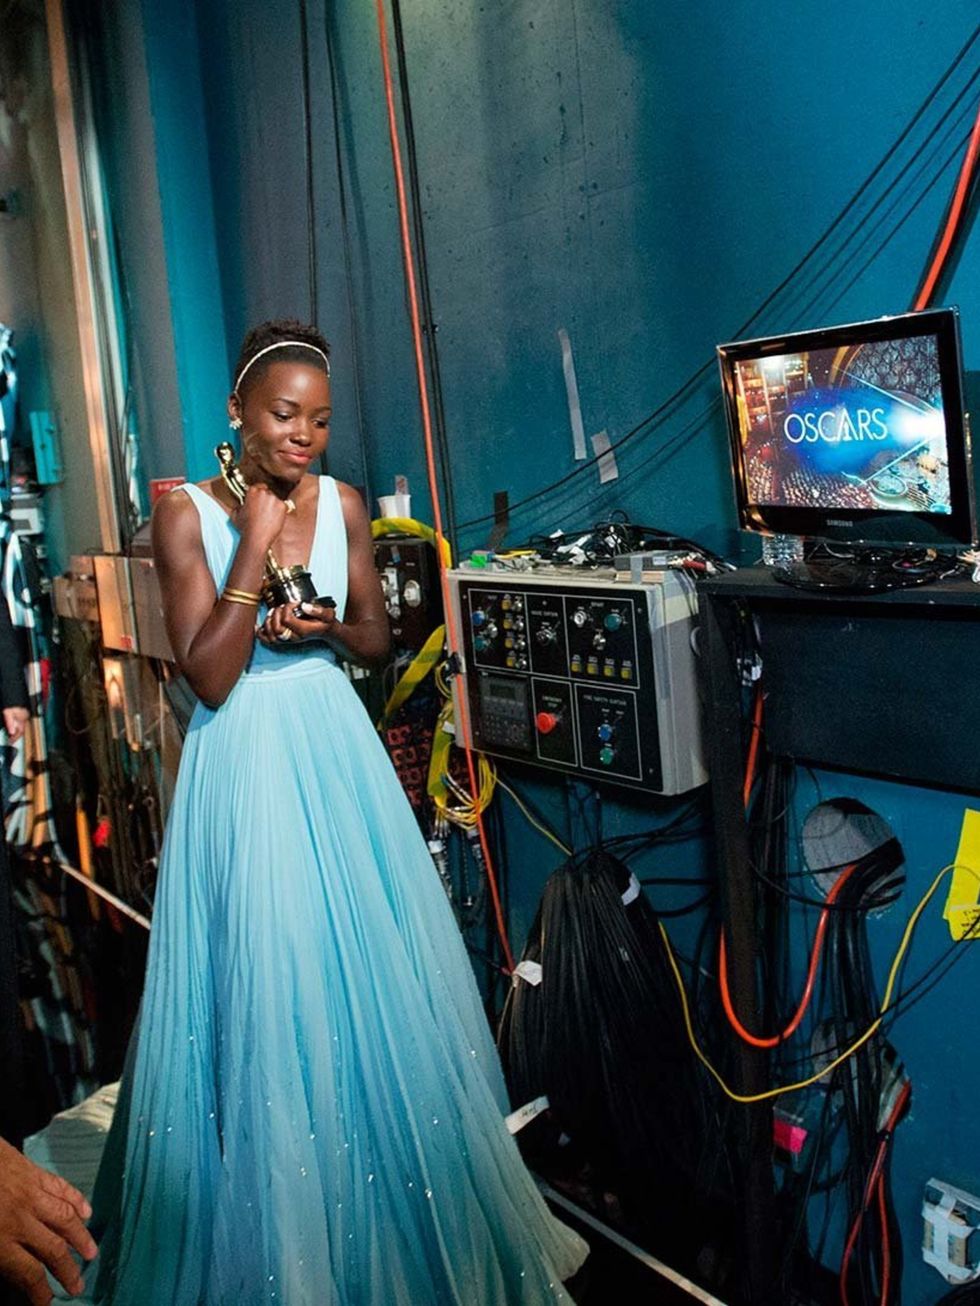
(409, 526)
(427, 657)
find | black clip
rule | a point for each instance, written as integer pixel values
(452, 666)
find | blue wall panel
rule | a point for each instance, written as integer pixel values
(644, 176)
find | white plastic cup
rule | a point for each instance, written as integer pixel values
(395, 505)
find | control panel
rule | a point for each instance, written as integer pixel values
(592, 676)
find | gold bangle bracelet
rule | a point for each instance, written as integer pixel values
(249, 601)
(242, 594)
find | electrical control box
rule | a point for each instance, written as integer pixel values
(591, 675)
(75, 595)
(116, 611)
(410, 580)
(151, 630)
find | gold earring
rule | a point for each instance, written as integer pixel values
(235, 423)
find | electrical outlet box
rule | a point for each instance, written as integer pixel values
(951, 1231)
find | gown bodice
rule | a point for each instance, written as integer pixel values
(327, 564)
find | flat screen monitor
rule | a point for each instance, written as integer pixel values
(853, 433)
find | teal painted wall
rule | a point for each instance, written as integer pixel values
(644, 176)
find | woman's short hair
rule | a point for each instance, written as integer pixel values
(311, 347)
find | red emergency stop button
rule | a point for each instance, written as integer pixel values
(545, 722)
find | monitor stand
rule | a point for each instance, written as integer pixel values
(865, 570)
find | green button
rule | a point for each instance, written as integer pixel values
(613, 620)
(606, 755)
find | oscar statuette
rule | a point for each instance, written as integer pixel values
(280, 584)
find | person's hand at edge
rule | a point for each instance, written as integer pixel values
(41, 1223)
(15, 721)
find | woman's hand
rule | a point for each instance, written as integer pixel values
(260, 517)
(15, 721)
(282, 626)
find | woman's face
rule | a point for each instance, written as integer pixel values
(285, 421)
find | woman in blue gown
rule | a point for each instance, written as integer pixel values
(312, 1110)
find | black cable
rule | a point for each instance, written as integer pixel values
(864, 230)
(901, 223)
(356, 368)
(429, 326)
(308, 159)
(663, 408)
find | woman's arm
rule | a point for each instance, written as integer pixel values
(364, 636)
(211, 639)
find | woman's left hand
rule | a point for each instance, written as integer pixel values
(282, 626)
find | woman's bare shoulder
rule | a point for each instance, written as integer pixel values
(175, 523)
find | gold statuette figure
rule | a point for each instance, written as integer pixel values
(280, 584)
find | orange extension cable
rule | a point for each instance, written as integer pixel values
(875, 1190)
(773, 1041)
(967, 170)
(758, 1041)
(452, 634)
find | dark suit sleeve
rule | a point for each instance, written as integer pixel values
(13, 687)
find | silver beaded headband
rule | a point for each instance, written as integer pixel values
(281, 344)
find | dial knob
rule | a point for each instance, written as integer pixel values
(580, 617)
(598, 640)
(490, 630)
(518, 623)
(612, 620)
(546, 722)
(546, 635)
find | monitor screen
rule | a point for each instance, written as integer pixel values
(853, 432)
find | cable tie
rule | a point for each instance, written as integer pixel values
(633, 890)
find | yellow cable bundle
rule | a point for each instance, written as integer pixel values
(442, 788)
(441, 785)
(409, 526)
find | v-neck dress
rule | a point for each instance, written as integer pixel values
(312, 1112)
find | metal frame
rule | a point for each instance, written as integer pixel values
(94, 370)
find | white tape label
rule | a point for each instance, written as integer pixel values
(530, 971)
(516, 1121)
(571, 390)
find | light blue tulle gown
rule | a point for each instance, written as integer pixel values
(312, 1111)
